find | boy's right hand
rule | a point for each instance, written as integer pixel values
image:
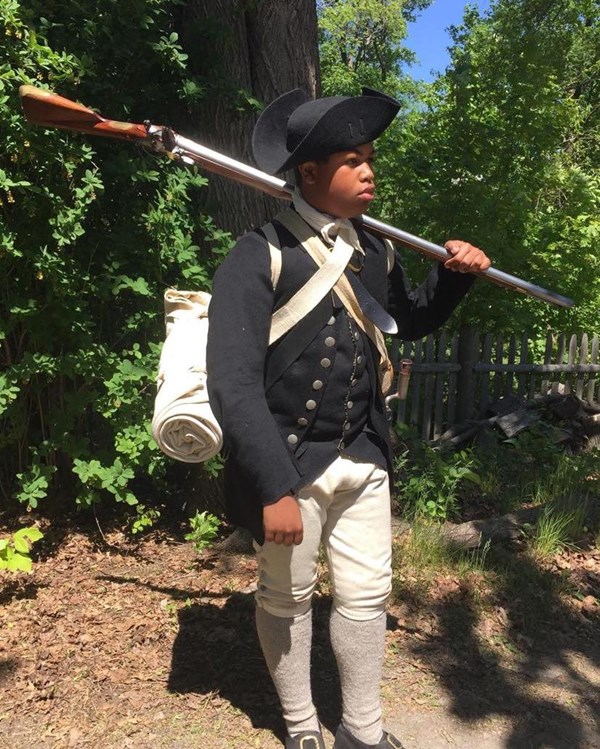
(283, 522)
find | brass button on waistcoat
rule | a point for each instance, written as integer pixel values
(330, 341)
(302, 422)
(311, 405)
(359, 359)
(292, 439)
(331, 320)
(317, 385)
(325, 363)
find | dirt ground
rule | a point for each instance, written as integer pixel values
(151, 645)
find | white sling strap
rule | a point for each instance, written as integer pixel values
(331, 268)
(321, 255)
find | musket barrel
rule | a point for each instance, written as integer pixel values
(225, 165)
(439, 253)
(48, 109)
(217, 162)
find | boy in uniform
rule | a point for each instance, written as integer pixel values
(306, 436)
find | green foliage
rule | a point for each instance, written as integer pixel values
(34, 482)
(214, 466)
(557, 528)
(434, 483)
(503, 151)
(533, 468)
(428, 479)
(204, 529)
(360, 43)
(91, 233)
(15, 550)
(145, 518)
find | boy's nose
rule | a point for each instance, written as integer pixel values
(366, 173)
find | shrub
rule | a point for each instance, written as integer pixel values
(14, 550)
(92, 234)
(204, 529)
(428, 478)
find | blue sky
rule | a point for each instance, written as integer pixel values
(429, 39)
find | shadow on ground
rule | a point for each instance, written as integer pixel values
(217, 651)
(548, 693)
(540, 682)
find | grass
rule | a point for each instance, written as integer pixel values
(425, 548)
(520, 579)
(502, 596)
(557, 528)
(423, 556)
(532, 469)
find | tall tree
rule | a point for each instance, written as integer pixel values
(361, 44)
(248, 53)
(505, 153)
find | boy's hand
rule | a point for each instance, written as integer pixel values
(465, 257)
(283, 522)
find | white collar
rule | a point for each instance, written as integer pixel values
(329, 227)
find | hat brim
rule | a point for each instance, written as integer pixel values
(270, 132)
(347, 123)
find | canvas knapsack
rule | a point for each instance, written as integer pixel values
(184, 425)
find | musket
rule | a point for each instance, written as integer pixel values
(42, 107)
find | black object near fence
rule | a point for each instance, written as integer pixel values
(455, 376)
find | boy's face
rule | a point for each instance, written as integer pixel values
(343, 185)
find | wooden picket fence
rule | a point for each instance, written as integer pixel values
(455, 377)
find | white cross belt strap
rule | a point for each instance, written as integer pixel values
(317, 249)
(315, 289)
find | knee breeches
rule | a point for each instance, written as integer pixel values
(347, 511)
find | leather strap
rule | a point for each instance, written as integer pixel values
(317, 249)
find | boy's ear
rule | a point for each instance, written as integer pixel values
(308, 172)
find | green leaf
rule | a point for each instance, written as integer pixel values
(20, 563)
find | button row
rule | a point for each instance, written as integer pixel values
(317, 385)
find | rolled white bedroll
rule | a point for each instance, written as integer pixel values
(183, 424)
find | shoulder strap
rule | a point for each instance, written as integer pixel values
(317, 250)
(331, 268)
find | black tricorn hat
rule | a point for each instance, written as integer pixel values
(295, 128)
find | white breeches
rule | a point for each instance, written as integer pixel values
(347, 510)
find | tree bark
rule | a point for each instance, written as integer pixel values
(245, 51)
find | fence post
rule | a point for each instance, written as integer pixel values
(465, 380)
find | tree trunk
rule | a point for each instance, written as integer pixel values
(246, 51)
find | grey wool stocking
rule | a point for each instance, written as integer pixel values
(359, 649)
(286, 644)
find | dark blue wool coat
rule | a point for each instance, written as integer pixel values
(280, 431)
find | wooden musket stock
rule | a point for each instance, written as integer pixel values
(45, 108)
